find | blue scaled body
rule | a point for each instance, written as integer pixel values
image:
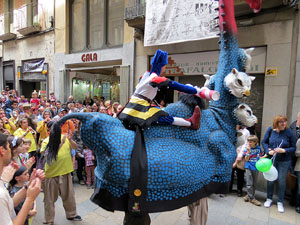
(184, 165)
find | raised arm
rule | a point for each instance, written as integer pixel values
(204, 92)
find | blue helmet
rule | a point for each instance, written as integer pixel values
(158, 61)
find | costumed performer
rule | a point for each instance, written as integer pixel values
(138, 111)
(138, 114)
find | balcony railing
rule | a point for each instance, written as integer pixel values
(135, 10)
(27, 19)
(135, 13)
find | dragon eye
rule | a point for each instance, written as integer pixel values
(249, 112)
(240, 82)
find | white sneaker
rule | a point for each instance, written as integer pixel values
(280, 207)
(268, 203)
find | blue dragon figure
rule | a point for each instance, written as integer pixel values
(184, 165)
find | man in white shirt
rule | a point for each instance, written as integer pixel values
(7, 213)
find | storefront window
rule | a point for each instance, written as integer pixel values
(78, 18)
(115, 92)
(97, 89)
(43, 89)
(115, 22)
(85, 89)
(81, 89)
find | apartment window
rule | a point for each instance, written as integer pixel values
(32, 12)
(8, 8)
(78, 22)
(96, 24)
(115, 22)
(11, 10)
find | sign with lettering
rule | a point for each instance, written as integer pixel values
(42, 93)
(33, 66)
(271, 71)
(207, 63)
(89, 57)
(173, 21)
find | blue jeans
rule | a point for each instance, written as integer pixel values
(298, 191)
(282, 168)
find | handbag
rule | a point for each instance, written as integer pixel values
(291, 181)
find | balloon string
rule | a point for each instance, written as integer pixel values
(274, 156)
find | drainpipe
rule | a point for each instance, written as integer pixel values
(133, 65)
(295, 68)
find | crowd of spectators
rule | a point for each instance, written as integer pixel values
(25, 124)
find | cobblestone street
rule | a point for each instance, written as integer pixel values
(222, 211)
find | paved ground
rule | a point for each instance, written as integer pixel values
(222, 211)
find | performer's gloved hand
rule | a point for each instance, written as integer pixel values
(159, 81)
(198, 91)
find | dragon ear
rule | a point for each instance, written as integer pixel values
(242, 106)
(249, 51)
(207, 77)
(252, 78)
(234, 71)
(239, 134)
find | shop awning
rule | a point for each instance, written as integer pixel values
(107, 70)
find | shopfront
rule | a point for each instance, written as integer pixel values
(33, 76)
(99, 73)
(8, 74)
(91, 78)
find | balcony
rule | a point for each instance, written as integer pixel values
(6, 27)
(135, 14)
(27, 19)
(241, 7)
(30, 30)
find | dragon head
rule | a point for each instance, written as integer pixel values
(238, 83)
(244, 115)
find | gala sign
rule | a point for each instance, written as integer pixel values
(89, 57)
